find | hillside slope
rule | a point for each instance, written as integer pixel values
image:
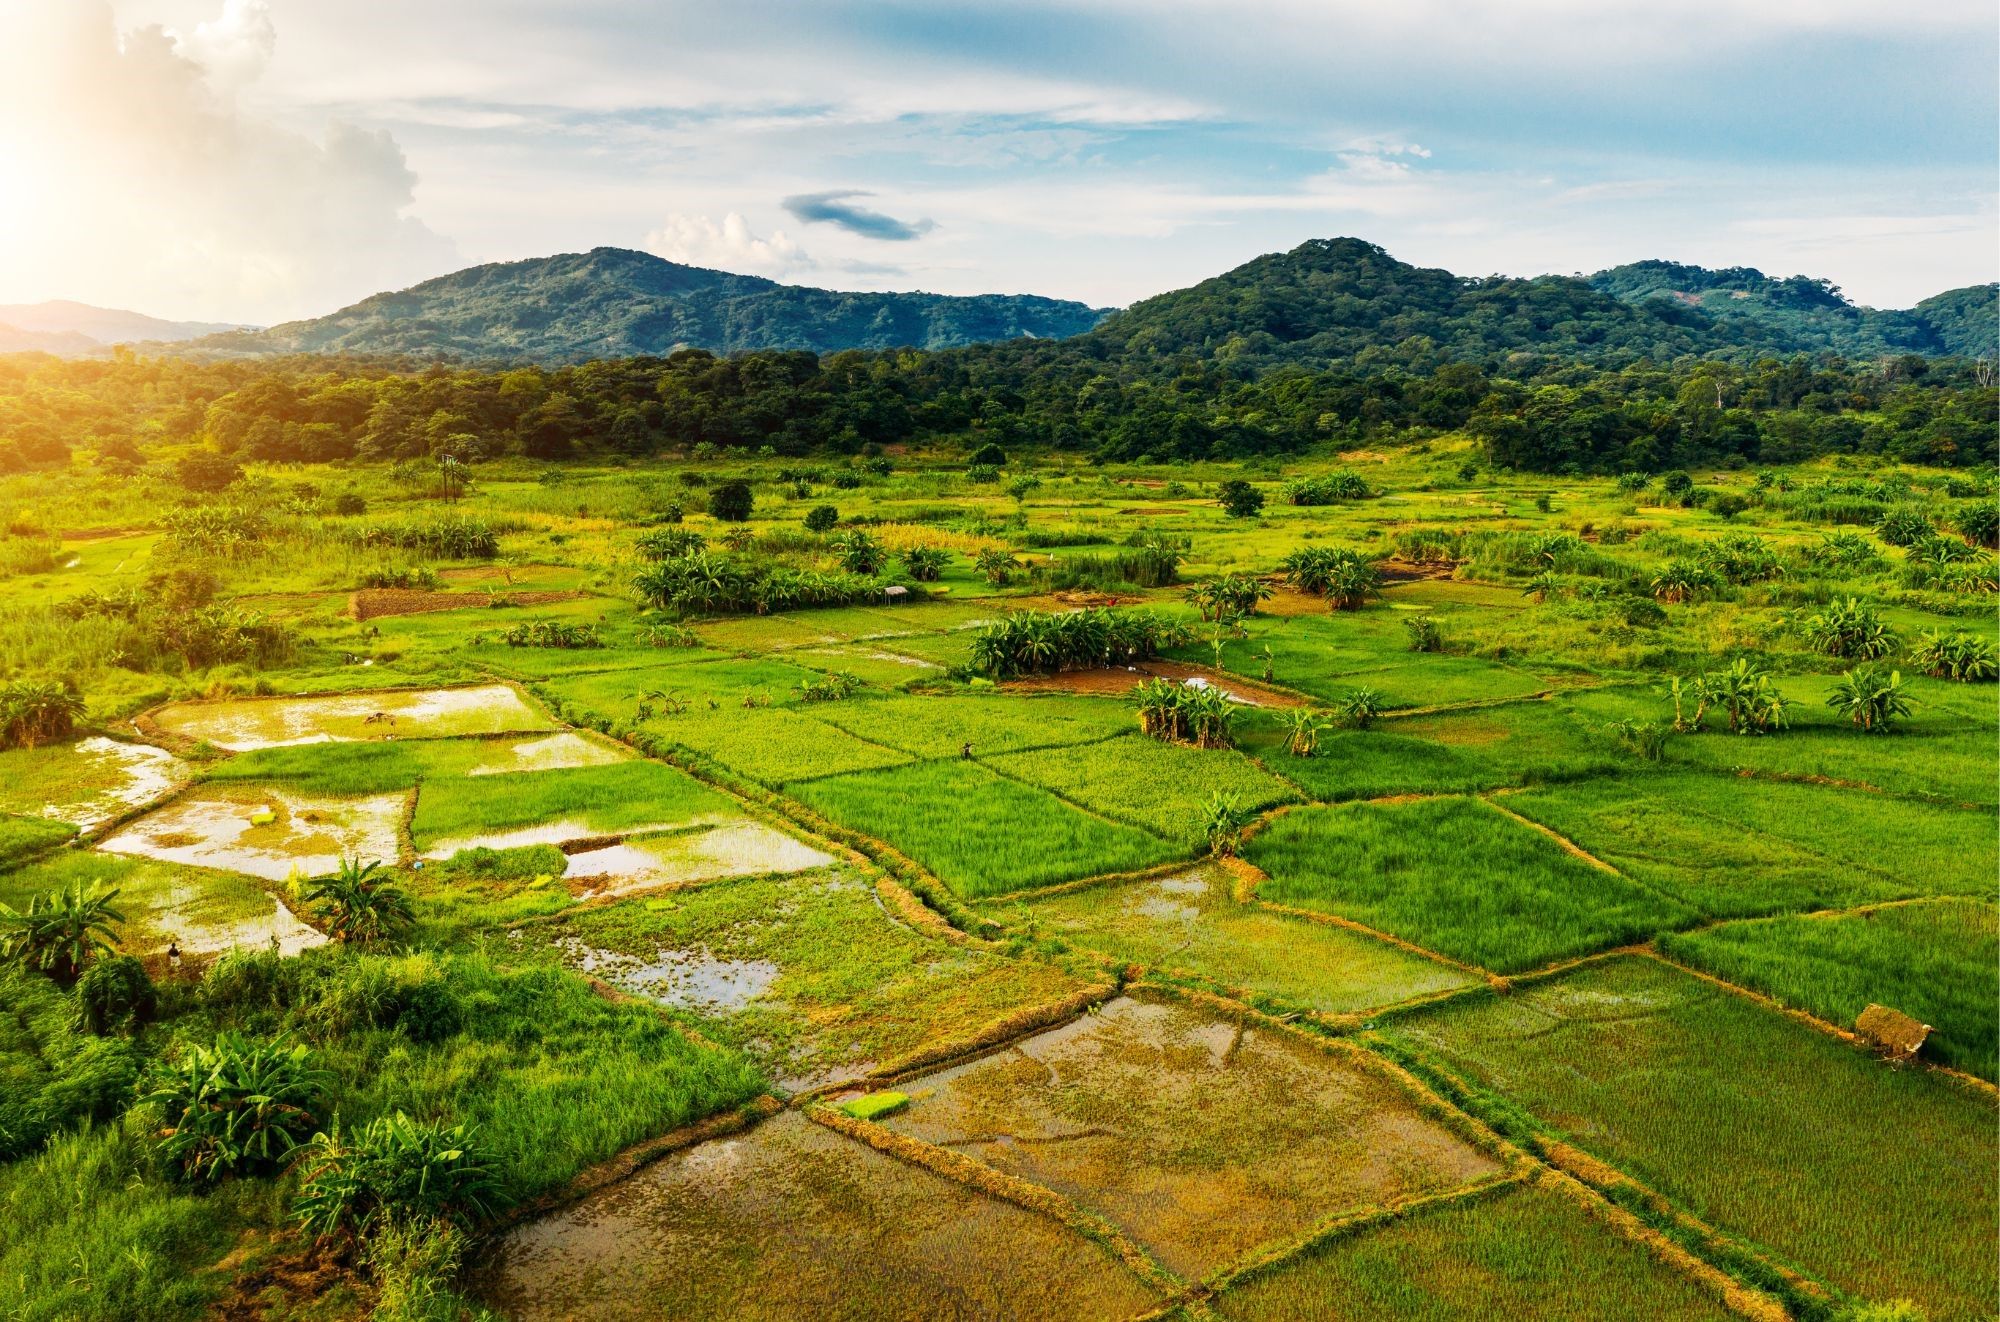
(613, 302)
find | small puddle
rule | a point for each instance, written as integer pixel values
(556, 752)
(737, 849)
(694, 979)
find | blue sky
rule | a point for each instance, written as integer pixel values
(313, 151)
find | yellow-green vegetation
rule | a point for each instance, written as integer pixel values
(522, 840)
(1455, 876)
(1931, 960)
(1521, 1251)
(1765, 1129)
(1190, 924)
(980, 832)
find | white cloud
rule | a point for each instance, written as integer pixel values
(728, 246)
(152, 185)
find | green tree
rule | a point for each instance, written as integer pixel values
(60, 933)
(358, 903)
(1239, 499)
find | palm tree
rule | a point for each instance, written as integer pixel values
(1872, 699)
(451, 477)
(59, 934)
(358, 903)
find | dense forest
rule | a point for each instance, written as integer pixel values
(1335, 343)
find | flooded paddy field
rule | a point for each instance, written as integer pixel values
(241, 724)
(1200, 1137)
(807, 973)
(271, 834)
(87, 783)
(791, 1221)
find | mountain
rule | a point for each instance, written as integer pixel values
(1966, 321)
(613, 302)
(62, 327)
(1330, 300)
(1741, 306)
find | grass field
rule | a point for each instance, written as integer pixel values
(981, 833)
(1190, 924)
(1457, 877)
(1506, 700)
(1938, 962)
(1524, 1252)
(1762, 1126)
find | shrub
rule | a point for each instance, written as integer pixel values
(1726, 505)
(670, 544)
(1681, 581)
(1228, 596)
(826, 688)
(552, 633)
(207, 471)
(706, 583)
(1904, 527)
(1741, 558)
(925, 564)
(60, 933)
(982, 474)
(1745, 693)
(1645, 740)
(430, 1012)
(1873, 697)
(860, 553)
(1173, 712)
(1843, 551)
(1044, 642)
(38, 711)
(450, 538)
(1345, 578)
(393, 1169)
(358, 903)
(115, 994)
(1327, 489)
(1426, 635)
(821, 518)
(1239, 499)
(1357, 710)
(1846, 628)
(1302, 731)
(1641, 613)
(235, 1108)
(1222, 821)
(731, 502)
(419, 577)
(1978, 523)
(988, 455)
(1965, 657)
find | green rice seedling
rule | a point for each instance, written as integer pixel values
(1158, 786)
(1734, 847)
(874, 1105)
(979, 832)
(943, 725)
(1524, 1251)
(1792, 1164)
(1935, 961)
(572, 802)
(21, 838)
(1457, 877)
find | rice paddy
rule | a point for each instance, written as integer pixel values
(985, 998)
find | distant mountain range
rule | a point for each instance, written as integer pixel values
(1326, 301)
(613, 302)
(76, 329)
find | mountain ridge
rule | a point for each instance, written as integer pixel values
(616, 302)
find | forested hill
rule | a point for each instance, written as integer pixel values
(613, 302)
(1334, 300)
(1741, 306)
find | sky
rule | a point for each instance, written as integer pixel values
(258, 160)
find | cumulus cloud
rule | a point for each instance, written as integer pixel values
(834, 209)
(143, 179)
(730, 245)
